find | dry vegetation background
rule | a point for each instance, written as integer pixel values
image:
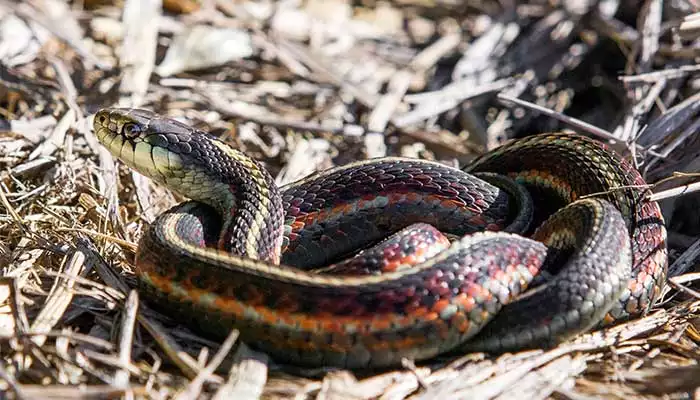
(305, 85)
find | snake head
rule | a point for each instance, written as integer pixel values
(155, 146)
(191, 162)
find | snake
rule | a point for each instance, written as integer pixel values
(538, 240)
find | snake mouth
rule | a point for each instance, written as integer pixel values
(124, 137)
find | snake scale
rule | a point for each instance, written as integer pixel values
(559, 212)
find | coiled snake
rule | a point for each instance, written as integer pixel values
(247, 254)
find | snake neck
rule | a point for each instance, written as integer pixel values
(201, 167)
(249, 202)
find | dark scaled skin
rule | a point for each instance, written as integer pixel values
(349, 322)
(560, 168)
(330, 215)
(410, 246)
(579, 295)
(216, 266)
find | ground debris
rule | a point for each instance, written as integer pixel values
(303, 86)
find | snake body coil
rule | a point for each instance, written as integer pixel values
(215, 261)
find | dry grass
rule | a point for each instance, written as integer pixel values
(303, 86)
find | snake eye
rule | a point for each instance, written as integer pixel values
(131, 130)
